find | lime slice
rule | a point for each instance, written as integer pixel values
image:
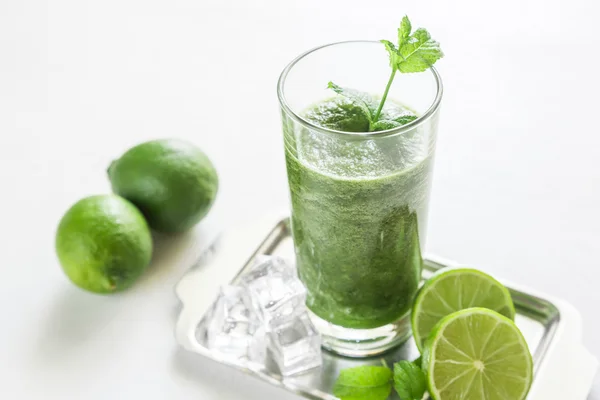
(477, 354)
(454, 289)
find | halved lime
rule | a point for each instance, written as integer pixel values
(454, 289)
(477, 354)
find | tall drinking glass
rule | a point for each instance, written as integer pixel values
(359, 199)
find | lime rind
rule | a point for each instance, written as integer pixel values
(508, 377)
(489, 293)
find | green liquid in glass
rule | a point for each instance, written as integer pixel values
(358, 211)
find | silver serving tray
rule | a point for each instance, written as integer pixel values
(541, 319)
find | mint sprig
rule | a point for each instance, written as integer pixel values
(415, 52)
(364, 383)
(409, 380)
(370, 382)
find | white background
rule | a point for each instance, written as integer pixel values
(516, 189)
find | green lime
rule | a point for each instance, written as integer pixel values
(477, 354)
(172, 182)
(454, 289)
(103, 243)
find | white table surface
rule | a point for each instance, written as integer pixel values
(516, 189)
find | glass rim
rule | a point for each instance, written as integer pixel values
(356, 135)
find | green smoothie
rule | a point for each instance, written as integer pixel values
(358, 210)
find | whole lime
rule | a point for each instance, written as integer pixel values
(103, 243)
(172, 182)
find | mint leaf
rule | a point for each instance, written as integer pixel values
(418, 361)
(419, 52)
(385, 124)
(405, 119)
(404, 31)
(392, 52)
(361, 99)
(409, 381)
(414, 53)
(364, 383)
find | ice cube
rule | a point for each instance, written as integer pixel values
(274, 290)
(257, 352)
(295, 345)
(231, 323)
